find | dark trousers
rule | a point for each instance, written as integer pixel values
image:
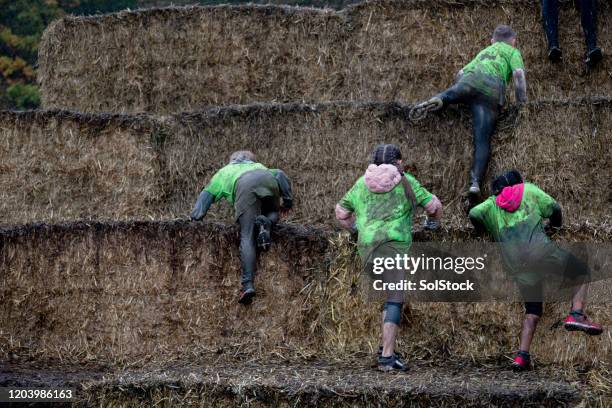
(268, 207)
(485, 110)
(588, 19)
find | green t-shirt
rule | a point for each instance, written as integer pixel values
(224, 181)
(524, 224)
(528, 254)
(499, 59)
(383, 217)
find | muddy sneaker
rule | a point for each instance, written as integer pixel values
(246, 296)
(431, 224)
(396, 354)
(421, 110)
(593, 57)
(555, 54)
(579, 322)
(264, 240)
(522, 361)
(474, 189)
(391, 363)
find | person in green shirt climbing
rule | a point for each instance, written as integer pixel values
(255, 192)
(514, 216)
(380, 206)
(481, 85)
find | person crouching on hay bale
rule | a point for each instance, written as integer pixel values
(380, 206)
(513, 216)
(255, 192)
(481, 85)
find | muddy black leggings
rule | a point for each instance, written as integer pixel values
(485, 110)
(588, 19)
(267, 206)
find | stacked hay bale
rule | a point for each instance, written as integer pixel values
(130, 293)
(65, 166)
(184, 59)
(133, 293)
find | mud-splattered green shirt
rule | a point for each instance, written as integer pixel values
(383, 217)
(499, 60)
(223, 183)
(526, 247)
(524, 224)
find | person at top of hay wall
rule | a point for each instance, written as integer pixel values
(380, 206)
(481, 85)
(588, 19)
(255, 192)
(514, 216)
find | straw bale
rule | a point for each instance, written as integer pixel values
(119, 292)
(134, 293)
(177, 59)
(65, 166)
(58, 165)
(560, 145)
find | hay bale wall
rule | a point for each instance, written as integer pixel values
(64, 166)
(183, 59)
(148, 292)
(59, 165)
(119, 292)
(324, 148)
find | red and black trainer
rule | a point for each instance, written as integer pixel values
(579, 322)
(522, 361)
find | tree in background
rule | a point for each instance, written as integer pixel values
(87, 7)
(22, 23)
(337, 4)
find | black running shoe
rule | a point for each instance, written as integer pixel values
(246, 296)
(594, 57)
(555, 54)
(391, 363)
(396, 354)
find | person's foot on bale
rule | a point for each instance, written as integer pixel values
(264, 239)
(474, 189)
(391, 363)
(247, 294)
(555, 54)
(577, 321)
(380, 351)
(421, 110)
(431, 224)
(593, 57)
(522, 361)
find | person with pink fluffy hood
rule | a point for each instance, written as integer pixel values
(380, 206)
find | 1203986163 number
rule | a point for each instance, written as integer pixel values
(30, 394)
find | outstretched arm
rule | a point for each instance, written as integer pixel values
(285, 188)
(520, 85)
(205, 200)
(434, 208)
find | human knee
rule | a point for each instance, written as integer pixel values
(393, 312)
